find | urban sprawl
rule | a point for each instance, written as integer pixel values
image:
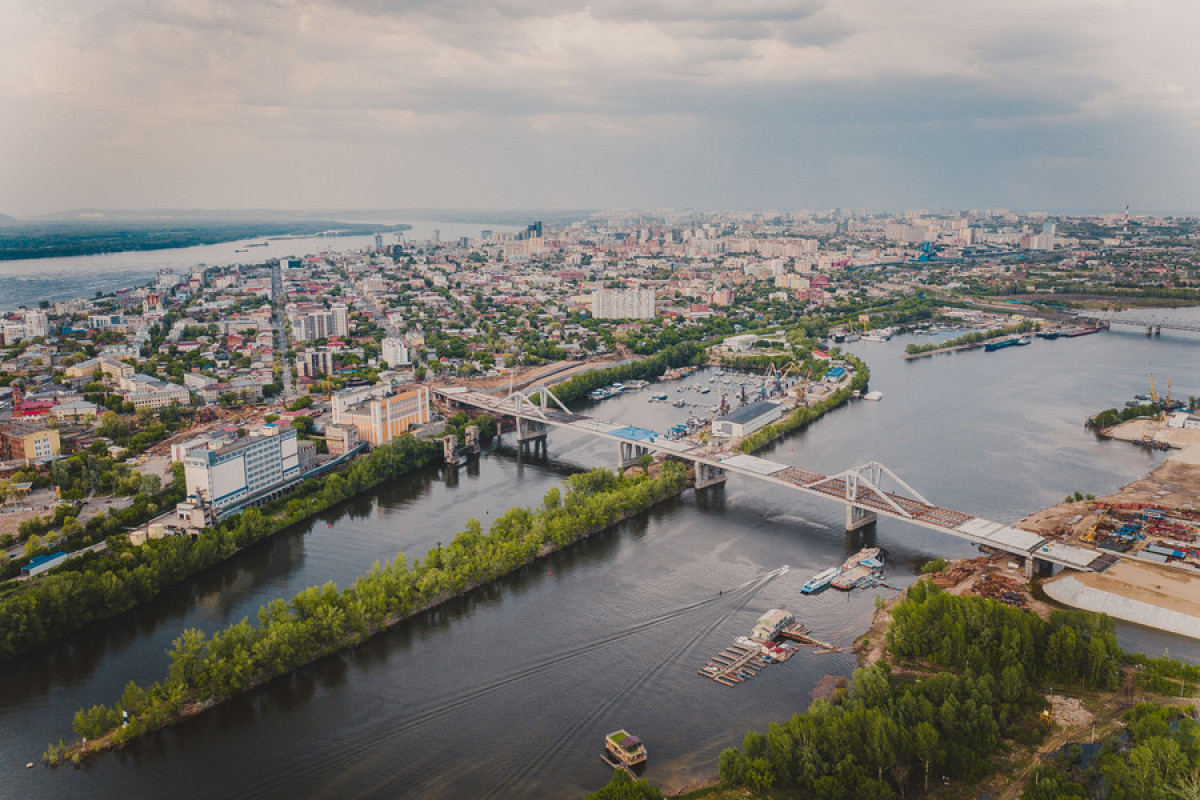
(243, 381)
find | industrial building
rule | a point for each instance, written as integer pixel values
(381, 413)
(246, 471)
(747, 419)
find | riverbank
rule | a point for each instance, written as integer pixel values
(1160, 596)
(321, 621)
(129, 575)
(804, 415)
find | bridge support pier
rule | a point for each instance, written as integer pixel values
(859, 518)
(708, 475)
(629, 454)
(450, 449)
(530, 430)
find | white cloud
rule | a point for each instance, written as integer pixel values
(92, 87)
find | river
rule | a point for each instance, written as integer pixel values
(28, 281)
(508, 692)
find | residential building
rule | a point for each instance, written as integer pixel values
(623, 304)
(28, 440)
(395, 353)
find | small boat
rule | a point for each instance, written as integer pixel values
(873, 396)
(820, 580)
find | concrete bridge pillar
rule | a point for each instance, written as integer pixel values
(450, 448)
(708, 475)
(529, 430)
(1029, 568)
(629, 454)
(859, 518)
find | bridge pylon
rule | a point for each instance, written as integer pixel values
(707, 475)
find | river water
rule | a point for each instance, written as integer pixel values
(27, 281)
(508, 692)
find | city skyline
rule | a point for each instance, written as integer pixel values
(1077, 107)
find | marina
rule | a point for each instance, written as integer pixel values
(864, 568)
(749, 655)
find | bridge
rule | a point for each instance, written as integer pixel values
(1152, 325)
(867, 491)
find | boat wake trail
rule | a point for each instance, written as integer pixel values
(735, 598)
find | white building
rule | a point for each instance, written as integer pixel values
(395, 352)
(37, 323)
(250, 469)
(340, 323)
(747, 419)
(623, 304)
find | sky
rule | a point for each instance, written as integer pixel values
(1060, 105)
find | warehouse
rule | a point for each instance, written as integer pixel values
(747, 419)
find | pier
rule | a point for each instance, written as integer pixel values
(867, 491)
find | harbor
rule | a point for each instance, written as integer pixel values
(775, 639)
(864, 568)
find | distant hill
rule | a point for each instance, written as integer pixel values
(7, 220)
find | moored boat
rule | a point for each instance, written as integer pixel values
(625, 748)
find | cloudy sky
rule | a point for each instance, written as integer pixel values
(1062, 105)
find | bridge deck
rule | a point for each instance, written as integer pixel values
(891, 504)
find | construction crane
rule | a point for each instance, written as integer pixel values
(1153, 393)
(1090, 536)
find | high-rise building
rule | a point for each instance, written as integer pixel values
(394, 352)
(341, 321)
(312, 361)
(623, 304)
(229, 476)
(37, 322)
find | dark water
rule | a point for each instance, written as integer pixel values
(508, 693)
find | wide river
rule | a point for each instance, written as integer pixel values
(25, 282)
(508, 692)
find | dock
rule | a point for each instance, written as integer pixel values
(734, 664)
(801, 635)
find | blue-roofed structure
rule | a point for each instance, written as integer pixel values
(635, 434)
(40, 564)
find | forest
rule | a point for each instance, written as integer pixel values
(56, 239)
(103, 584)
(322, 620)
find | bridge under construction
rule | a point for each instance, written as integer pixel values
(867, 491)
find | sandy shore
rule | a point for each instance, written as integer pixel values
(1163, 597)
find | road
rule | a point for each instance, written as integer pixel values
(281, 343)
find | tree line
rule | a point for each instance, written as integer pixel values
(577, 387)
(104, 584)
(322, 620)
(974, 337)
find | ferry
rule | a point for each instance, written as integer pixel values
(624, 748)
(820, 580)
(1014, 341)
